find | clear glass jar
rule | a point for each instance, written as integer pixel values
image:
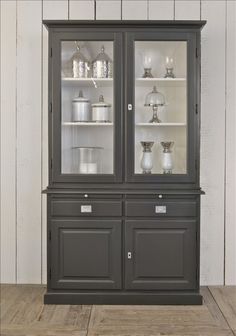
(87, 160)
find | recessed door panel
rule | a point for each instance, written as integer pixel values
(163, 254)
(86, 254)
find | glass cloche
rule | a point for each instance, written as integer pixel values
(155, 99)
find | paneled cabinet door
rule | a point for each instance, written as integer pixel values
(160, 254)
(86, 254)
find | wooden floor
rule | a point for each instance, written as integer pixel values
(23, 313)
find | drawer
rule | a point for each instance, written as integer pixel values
(86, 208)
(161, 208)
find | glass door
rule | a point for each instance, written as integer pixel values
(88, 107)
(161, 107)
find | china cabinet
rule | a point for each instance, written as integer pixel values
(123, 197)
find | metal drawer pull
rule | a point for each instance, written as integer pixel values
(130, 107)
(129, 255)
(160, 209)
(86, 208)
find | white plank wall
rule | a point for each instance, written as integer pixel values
(230, 147)
(24, 166)
(8, 142)
(187, 10)
(161, 10)
(213, 141)
(81, 10)
(29, 64)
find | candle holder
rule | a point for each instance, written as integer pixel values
(169, 68)
(146, 161)
(147, 67)
(167, 160)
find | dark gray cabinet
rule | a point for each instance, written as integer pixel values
(123, 200)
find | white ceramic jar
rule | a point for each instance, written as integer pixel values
(101, 111)
(81, 108)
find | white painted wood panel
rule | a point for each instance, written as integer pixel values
(81, 9)
(29, 35)
(8, 141)
(161, 10)
(134, 10)
(187, 10)
(108, 10)
(230, 210)
(213, 142)
(55, 9)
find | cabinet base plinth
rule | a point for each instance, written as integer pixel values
(155, 298)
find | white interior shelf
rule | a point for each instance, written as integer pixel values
(78, 123)
(160, 124)
(87, 82)
(161, 81)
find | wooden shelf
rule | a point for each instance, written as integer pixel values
(171, 82)
(161, 124)
(94, 124)
(89, 82)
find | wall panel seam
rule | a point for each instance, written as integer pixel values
(226, 88)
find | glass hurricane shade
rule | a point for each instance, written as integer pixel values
(154, 98)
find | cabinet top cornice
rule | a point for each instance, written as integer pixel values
(172, 24)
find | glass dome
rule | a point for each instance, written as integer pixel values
(155, 98)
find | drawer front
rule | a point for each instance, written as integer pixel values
(161, 208)
(86, 208)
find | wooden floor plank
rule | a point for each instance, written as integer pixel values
(213, 308)
(226, 300)
(26, 315)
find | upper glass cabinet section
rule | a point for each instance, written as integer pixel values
(160, 114)
(87, 107)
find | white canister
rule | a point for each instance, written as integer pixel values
(101, 111)
(81, 108)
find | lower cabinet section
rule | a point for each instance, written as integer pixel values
(86, 254)
(160, 254)
(141, 251)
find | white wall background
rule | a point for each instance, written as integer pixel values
(24, 126)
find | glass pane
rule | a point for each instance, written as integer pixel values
(160, 107)
(87, 107)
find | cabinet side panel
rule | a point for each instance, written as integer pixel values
(213, 142)
(230, 210)
(8, 141)
(29, 14)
